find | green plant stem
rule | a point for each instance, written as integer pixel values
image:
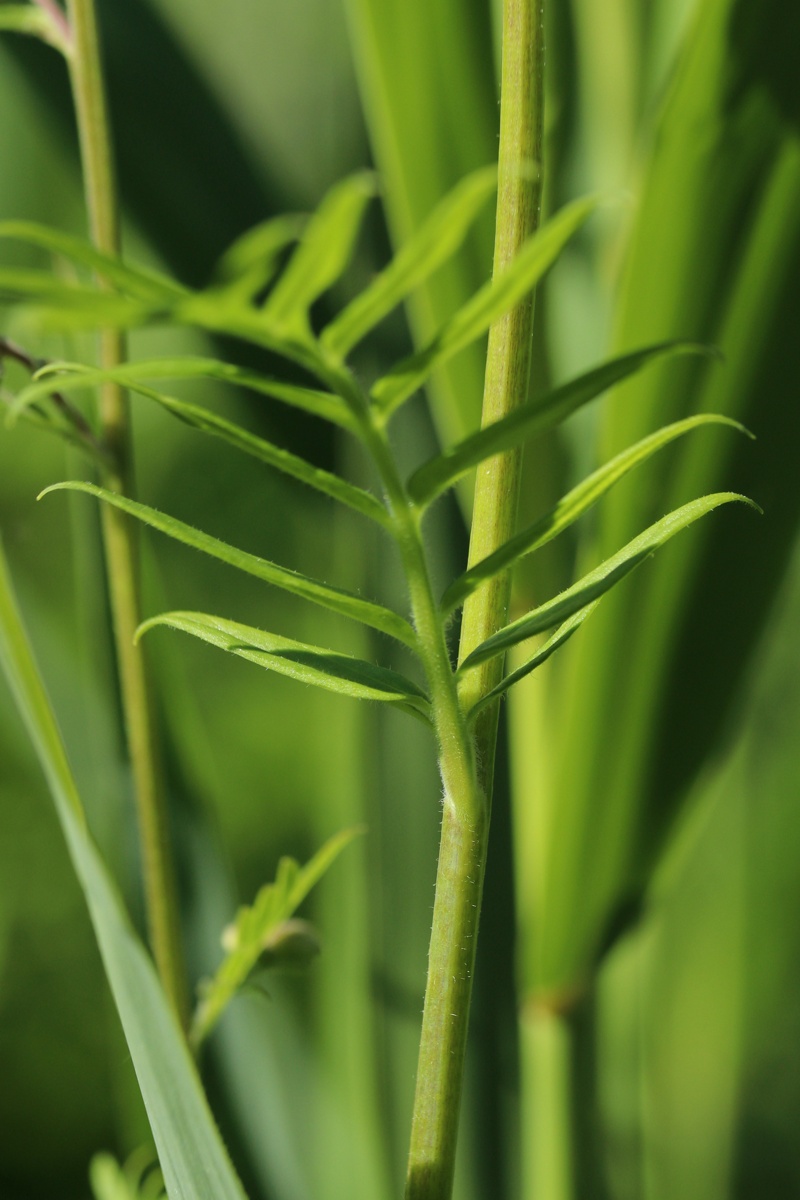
(465, 823)
(546, 1056)
(118, 533)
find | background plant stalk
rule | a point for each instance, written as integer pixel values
(118, 534)
(462, 853)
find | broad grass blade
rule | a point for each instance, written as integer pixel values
(191, 1153)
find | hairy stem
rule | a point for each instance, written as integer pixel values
(462, 853)
(118, 533)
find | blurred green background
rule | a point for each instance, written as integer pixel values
(687, 111)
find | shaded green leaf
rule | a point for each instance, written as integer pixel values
(562, 635)
(76, 377)
(345, 603)
(543, 413)
(192, 1155)
(256, 926)
(601, 579)
(433, 244)
(324, 252)
(147, 285)
(493, 300)
(329, 669)
(574, 505)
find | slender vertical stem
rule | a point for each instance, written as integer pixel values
(462, 853)
(118, 534)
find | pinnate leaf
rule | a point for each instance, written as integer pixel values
(328, 669)
(433, 244)
(345, 603)
(258, 926)
(574, 505)
(491, 302)
(530, 420)
(597, 582)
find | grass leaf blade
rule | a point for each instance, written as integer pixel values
(191, 1153)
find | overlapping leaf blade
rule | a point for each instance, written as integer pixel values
(542, 414)
(336, 599)
(492, 301)
(191, 1152)
(138, 283)
(76, 377)
(242, 439)
(573, 505)
(257, 924)
(561, 635)
(601, 579)
(328, 669)
(431, 246)
(54, 304)
(322, 255)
